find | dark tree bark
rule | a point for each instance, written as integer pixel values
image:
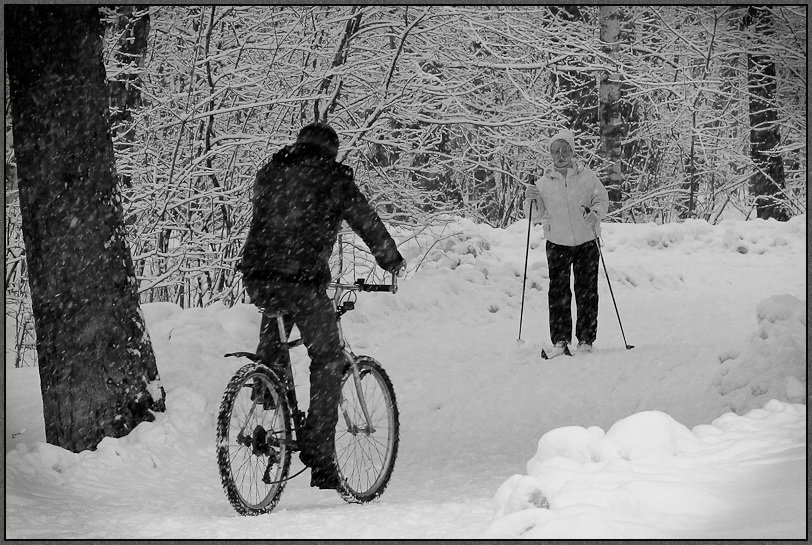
(339, 59)
(581, 111)
(125, 90)
(768, 180)
(97, 369)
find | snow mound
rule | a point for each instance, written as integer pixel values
(460, 242)
(467, 249)
(641, 479)
(757, 235)
(772, 364)
(189, 345)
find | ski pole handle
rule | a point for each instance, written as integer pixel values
(587, 210)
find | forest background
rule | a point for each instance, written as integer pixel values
(685, 111)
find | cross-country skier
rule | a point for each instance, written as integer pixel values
(559, 198)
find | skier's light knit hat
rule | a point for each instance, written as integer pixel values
(566, 136)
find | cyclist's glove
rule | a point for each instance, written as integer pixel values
(399, 269)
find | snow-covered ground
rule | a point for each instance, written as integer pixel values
(697, 432)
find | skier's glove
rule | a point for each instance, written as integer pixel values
(532, 192)
(592, 219)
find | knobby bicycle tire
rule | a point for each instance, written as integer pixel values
(366, 460)
(254, 443)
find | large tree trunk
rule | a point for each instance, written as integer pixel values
(97, 368)
(768, 180)
(611, 122)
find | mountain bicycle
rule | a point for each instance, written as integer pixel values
(259, 422)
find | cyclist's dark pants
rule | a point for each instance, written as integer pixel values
(310, 309)
(583, 260)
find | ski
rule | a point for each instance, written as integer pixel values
(565, 352)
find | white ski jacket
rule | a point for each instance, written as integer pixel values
(559, 206)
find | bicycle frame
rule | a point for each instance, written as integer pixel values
(340, 309)
(340, 290)
(245, 444)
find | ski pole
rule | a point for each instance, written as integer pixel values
(526, 256)
(606, 272)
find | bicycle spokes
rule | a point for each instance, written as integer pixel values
(367, 436)
(254, 440)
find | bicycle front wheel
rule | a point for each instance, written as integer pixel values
(366, 453)
(253, 440)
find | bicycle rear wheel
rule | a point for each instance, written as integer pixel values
(366, 457)
(253, 440)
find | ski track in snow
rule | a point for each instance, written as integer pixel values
(473, 400)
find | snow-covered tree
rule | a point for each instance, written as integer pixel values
(97, 370)
(439, 109)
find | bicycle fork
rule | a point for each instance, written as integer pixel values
(369, 429)
(353, 428)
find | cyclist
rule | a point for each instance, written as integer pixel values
(300, 199)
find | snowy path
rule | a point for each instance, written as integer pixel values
(474, 403)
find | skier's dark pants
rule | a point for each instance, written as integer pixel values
(583, 259)
(313, 313)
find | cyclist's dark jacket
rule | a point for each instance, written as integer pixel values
(300, 198)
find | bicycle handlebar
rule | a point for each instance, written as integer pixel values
(375, 287)
(361, 285)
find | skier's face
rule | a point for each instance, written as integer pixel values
(561, 154)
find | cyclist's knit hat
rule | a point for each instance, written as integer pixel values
(319, 134)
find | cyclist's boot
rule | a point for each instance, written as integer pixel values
(318, 437)
(325, 477)
(320, 458)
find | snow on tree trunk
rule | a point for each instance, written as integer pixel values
(97, 369)
(611, 123)
(767, 182)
